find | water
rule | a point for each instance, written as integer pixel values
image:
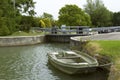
(31, 63)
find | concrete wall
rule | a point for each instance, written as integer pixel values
(21, 40)
(76, 43)
(60, 37)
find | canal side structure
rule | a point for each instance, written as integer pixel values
(64, 38)
(21, 40)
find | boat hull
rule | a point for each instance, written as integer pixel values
(72, 70)
(72, 63)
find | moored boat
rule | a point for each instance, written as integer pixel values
(73, 62)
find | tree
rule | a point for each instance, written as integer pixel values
(26, 23)
(100, 15)
(47, 22)
(3, 28)
(11, 12)
(116, 19)
(42, 24)
(50, 19)
(47, 15)
(6, 17)
(47, 19)
(24, 6)
(36, 22)
(72, 15)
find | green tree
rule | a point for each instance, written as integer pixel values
(24, 6)
(36, 22)
(47, 22)
(47, 19)
(11, 12)
(26, 23)
(6, 17)
(116, 19)
(3, 28)
(42, 24)
(100, 15)
(47, 15)
(72, 15)
(50, 19)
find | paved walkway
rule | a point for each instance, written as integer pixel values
(105, 36)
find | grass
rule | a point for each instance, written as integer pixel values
(21, 33)
(112, 48)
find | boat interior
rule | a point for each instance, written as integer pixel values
(69, 58)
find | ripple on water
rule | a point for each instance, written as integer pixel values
(31, 63)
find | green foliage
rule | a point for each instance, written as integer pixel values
(10, 15)
(100, 15)
(36, 22)
(47, 22)
(42, 24)
(72, 15)
(4, 31)
(6, 17)
(116, 19)
(25, 6)
(47, 15)
(3, 28)
(26, 23)
(47, 19)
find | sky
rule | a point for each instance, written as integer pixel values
(53, 6)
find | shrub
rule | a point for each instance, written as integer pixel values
(3, 28)
(26, 23)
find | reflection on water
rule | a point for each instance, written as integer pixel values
(31, 63)
(98, 75)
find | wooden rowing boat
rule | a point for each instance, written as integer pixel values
(72, 62)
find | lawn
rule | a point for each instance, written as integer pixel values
(112, 49)
(21, 33)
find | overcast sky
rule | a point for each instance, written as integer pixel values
(53, 6)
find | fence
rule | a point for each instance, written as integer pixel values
(77, 30)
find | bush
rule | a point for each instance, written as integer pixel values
(26, 23)
(3, 28)
(4, 31)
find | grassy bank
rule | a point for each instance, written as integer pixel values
(112, 49)
(21, 33)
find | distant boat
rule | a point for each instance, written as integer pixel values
(73, 62)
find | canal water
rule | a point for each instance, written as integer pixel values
(31, 63)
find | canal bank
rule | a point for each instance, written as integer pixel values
(110, 43)
(79, 44)
(21, 40)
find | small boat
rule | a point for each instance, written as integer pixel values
(72, 62)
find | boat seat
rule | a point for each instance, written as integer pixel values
(72, 57)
